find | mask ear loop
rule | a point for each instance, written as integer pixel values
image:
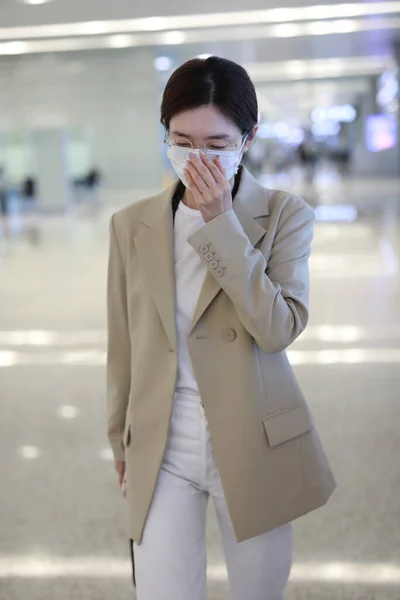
(240, 151)
(246, 137)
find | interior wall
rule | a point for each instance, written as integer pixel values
(112, 96)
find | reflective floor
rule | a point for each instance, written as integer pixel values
(61, 514)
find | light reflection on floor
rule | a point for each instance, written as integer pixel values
(52, 566)
(348, 356)
(320, 333)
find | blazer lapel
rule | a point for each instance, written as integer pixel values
(209, 291)
(250, 203)
(154, 243)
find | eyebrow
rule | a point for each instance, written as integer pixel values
(218, 136)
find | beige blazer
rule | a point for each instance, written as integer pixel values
(252, 306)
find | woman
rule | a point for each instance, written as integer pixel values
(207, 286)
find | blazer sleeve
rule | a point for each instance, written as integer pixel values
(118, 347)
(270, 298)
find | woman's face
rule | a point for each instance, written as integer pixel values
(202, 126)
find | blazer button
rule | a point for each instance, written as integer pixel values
(228, 335)
(214, 264)
(219, 272)
(209, 256)
(203, 249)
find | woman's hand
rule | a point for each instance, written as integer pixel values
(209, 186)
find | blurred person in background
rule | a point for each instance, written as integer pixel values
(3, 193)
(208, 285)
(28, 190)
(93, 183)
(341, 157)
(93, 178)
(308, 157)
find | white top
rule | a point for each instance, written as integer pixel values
(190, 272)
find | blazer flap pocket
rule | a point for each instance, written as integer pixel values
(127, 434)
(288, 424)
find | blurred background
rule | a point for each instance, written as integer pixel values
(80, 89)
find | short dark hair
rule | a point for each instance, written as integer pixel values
(212, 81)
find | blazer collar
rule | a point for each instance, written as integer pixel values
(249, 204)
(154, 242)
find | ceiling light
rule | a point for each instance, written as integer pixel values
(174, 37)
(35, 1)
(162, 63)
(330, 12)
(66, 42)
(94, 28)
(153, 23)
(339, 113)
(305, 14)
(12, 48)
(296, 67)
(286, 30)
(204, 56)
(317, 68)
(170, 26)
(120, 41)
(344, 26)
(319, 28)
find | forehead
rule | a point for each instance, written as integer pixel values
(202, 122)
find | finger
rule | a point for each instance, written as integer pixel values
(213, 167)
(202, 170)
(191, 184)
(199, 182)
(221, 169)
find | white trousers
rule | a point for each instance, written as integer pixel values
(171, 561)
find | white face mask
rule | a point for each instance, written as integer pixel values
(179, 157)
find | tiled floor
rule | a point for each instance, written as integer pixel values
(61, 523)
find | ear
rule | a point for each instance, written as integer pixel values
(251, 139)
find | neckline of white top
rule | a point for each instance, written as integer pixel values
(189, 211)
